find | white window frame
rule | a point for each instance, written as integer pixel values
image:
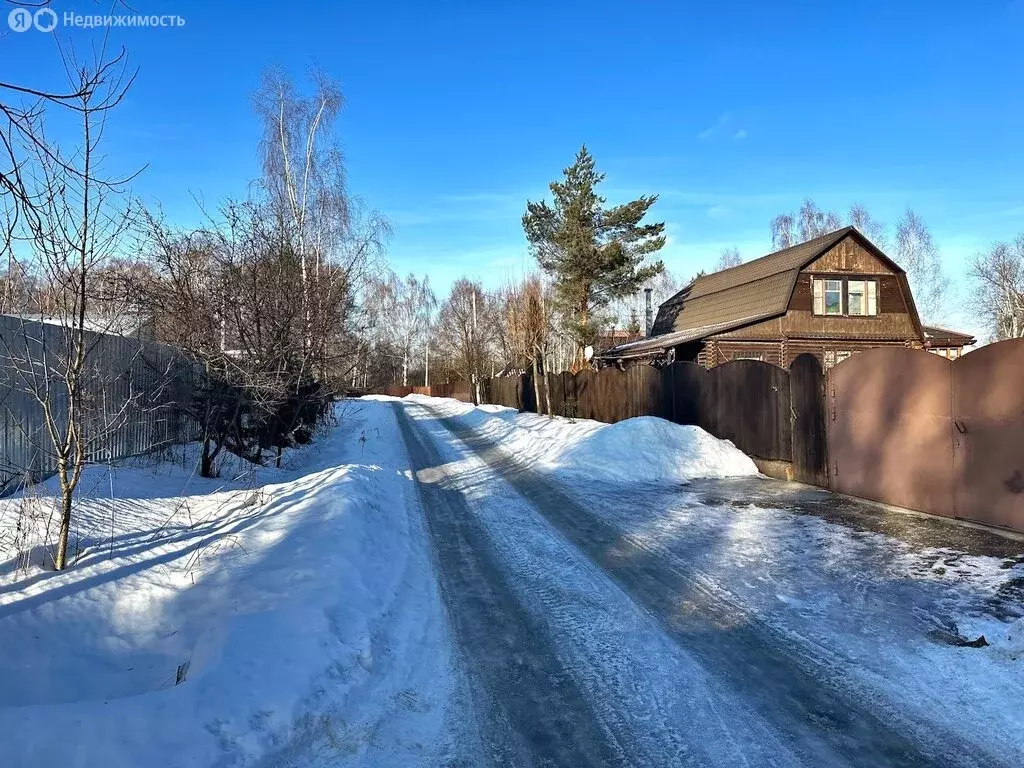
(821, 287)
(834, 357)
(820, 290)
(869, 297)
(748, 356)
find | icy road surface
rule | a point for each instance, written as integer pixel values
(618, 623)
(433, 585)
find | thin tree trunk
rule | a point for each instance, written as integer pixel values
(547, 384)
(66, 493)
(536, 385)
(206, 461)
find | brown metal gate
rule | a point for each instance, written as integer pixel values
(988, 437)
(890, 429)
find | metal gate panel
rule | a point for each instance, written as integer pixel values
(890, 428)
(988, 437)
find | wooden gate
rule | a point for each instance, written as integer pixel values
(988, 436)
(889, 427)
(807, 399)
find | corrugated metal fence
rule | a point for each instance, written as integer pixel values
(134, 393)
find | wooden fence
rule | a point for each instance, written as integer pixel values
(766, 411)
(900, 426)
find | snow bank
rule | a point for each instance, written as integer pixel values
(279, 615)
(643, 449)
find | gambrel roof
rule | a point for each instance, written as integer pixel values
(746, 294)
(756, 290)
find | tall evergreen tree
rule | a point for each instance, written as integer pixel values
(594, 254)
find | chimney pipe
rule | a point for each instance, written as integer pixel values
(648, 312)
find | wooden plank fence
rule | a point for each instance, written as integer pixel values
(900, 426)
(747, 401)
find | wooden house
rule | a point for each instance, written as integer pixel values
(832, 296)
(945, 342)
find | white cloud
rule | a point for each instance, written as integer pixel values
(718, 212)
(719, 124)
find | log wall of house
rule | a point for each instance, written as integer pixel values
(723, 350)
(818, 347)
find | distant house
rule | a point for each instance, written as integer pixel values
(613, 337)
(945, 342)
(832, 296)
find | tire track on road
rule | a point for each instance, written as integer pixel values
(802, 694)
(535, 712)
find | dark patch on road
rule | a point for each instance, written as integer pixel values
(917, 530)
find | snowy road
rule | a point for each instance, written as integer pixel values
(595, 634)
(432, 584)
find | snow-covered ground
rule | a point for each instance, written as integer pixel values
(298, 604)
(640, 449)
(876, 610)
(323, 613)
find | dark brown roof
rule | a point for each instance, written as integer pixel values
(646, 346)
(760, 288)
(943, 337)
(741, 295)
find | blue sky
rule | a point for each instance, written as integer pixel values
(457, 112)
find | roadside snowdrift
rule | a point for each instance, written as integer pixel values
(643, 449)
(296, 609)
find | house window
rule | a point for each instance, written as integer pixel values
(861, 297)
(835, 356)
(828, 297)
(748, 356)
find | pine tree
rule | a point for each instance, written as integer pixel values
(594, 254)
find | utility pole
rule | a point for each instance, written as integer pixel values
(426, 363)
(472, 344)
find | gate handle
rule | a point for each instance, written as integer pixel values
(960, 426)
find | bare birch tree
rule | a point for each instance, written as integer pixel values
(303, 175)
(466, 329)
(407, 307)
(861, 218)
(527, 321)
(917, 254)
(730, 257)
(998, 277)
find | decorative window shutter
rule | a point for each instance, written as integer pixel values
(819, 296)
(872, 297)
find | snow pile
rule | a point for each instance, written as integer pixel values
(643, 449)
(282, 615)
(648, 448)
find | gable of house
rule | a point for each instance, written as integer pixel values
(766, 308)
(894, 318)
(772, 297)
